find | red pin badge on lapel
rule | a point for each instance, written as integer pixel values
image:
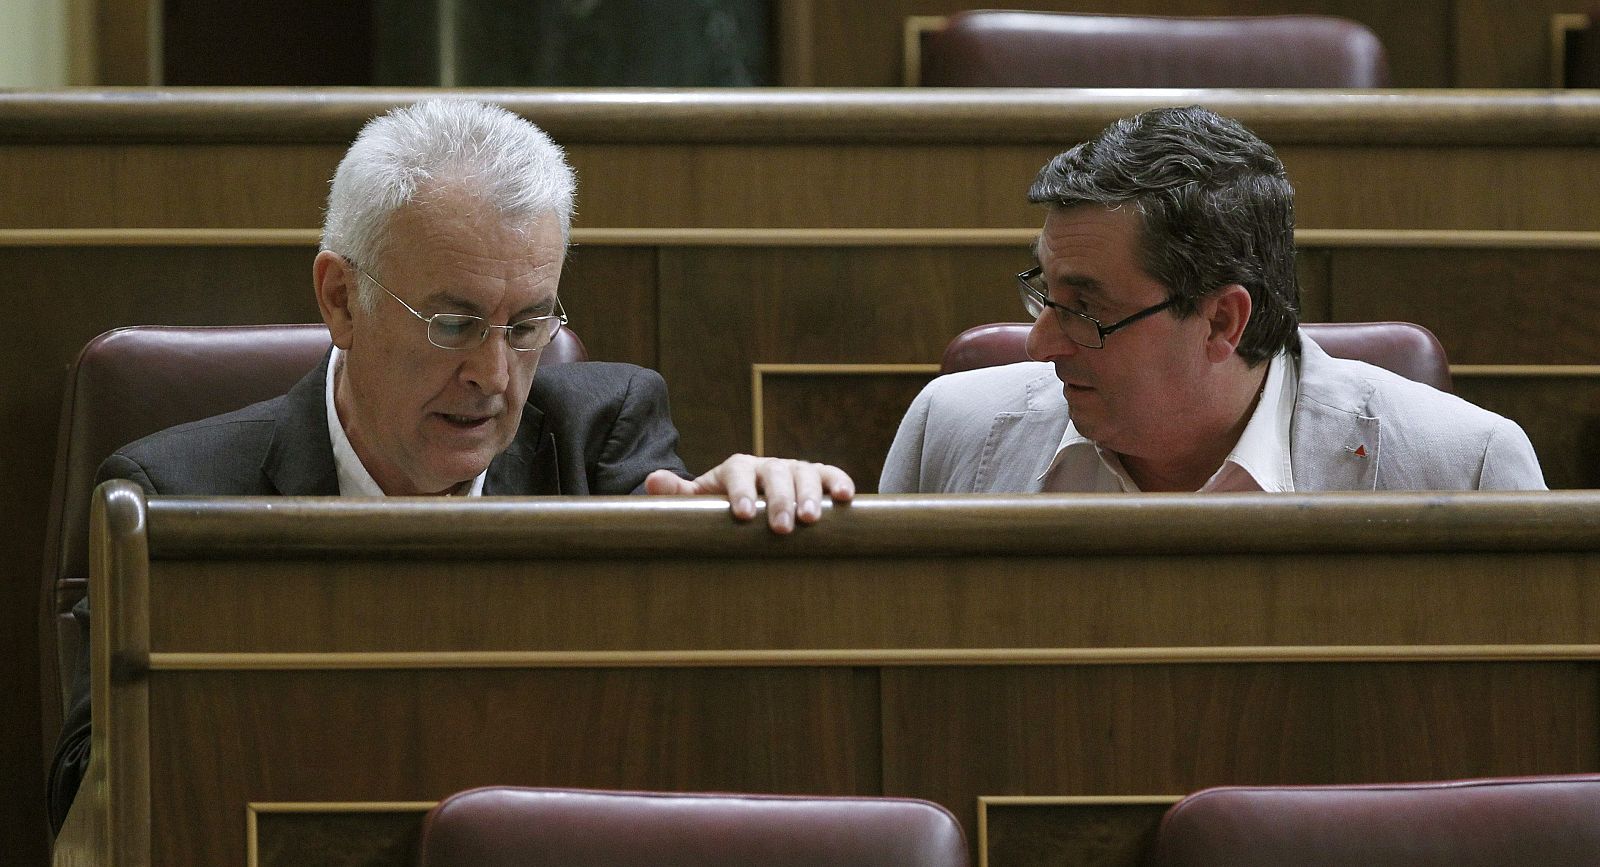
(1359, 451)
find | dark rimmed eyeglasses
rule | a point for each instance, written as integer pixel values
(1080, 328)
(465, 331)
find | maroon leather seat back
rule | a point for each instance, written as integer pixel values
(131, 382)
(501, 827)
(1547, 821)
(1409, 350)
(1056, 49)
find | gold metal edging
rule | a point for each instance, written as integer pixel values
(1489, 239)
(1524, 371)
(871, 657)
(159, 237)
(843, 369)
(815, 237)
(255, 807)
(911, 46)
(1562, 24)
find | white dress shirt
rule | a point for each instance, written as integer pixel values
(1259, 461)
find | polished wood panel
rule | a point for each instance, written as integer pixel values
(1561, 414)
(801, 158)
(836, 414)
(325, 650)
(411, 736)
(122, 36)
(611, 295)
(67, 184)
(1443, 187)
(1505, 45)
(799, 305)
(1510, 306)
(1158, 729)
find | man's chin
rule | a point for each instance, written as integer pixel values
(1086, 419)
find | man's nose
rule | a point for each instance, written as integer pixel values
(1046, 339)
(487, 367)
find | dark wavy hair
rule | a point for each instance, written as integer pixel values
(1216, 209)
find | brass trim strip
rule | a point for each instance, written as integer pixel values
(911, 46)
(1453, 238)
(738, 237)
(1535, 371)
(1073, 800)
(158, 237)
(340, 806)
(758, 398)
(846, 369)
(344, 661)
(758, 373)
(986, 801)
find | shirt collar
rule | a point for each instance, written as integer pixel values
(354, 480)
(1263, 449)
(1258, 461)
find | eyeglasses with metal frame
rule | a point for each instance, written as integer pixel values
(465, 331)
(1080, 328)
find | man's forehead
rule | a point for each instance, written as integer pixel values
(1092, 228)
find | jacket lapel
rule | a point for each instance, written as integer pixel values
(530, 466)
(1335, 443)
(1021, 445)
(299, 462)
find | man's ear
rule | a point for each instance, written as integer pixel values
(335, 280)
(1227, 312)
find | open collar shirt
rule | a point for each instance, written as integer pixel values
(1259, 461)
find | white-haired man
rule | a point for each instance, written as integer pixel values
(442, 248)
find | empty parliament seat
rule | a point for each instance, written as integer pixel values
(1409, 350)
(995, 48)
(131, 382)
(500, 827)
(1549, 821)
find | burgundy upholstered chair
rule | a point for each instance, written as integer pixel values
(992, 48)
(1549, 821)
(130, 382)
(501, 827)
(1409, 350)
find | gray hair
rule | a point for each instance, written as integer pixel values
(504, 161)
(1215, 205)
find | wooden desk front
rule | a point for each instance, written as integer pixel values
(281, 679)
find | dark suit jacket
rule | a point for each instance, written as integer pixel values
(587, 428)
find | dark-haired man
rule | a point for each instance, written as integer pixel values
(1167, 355)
